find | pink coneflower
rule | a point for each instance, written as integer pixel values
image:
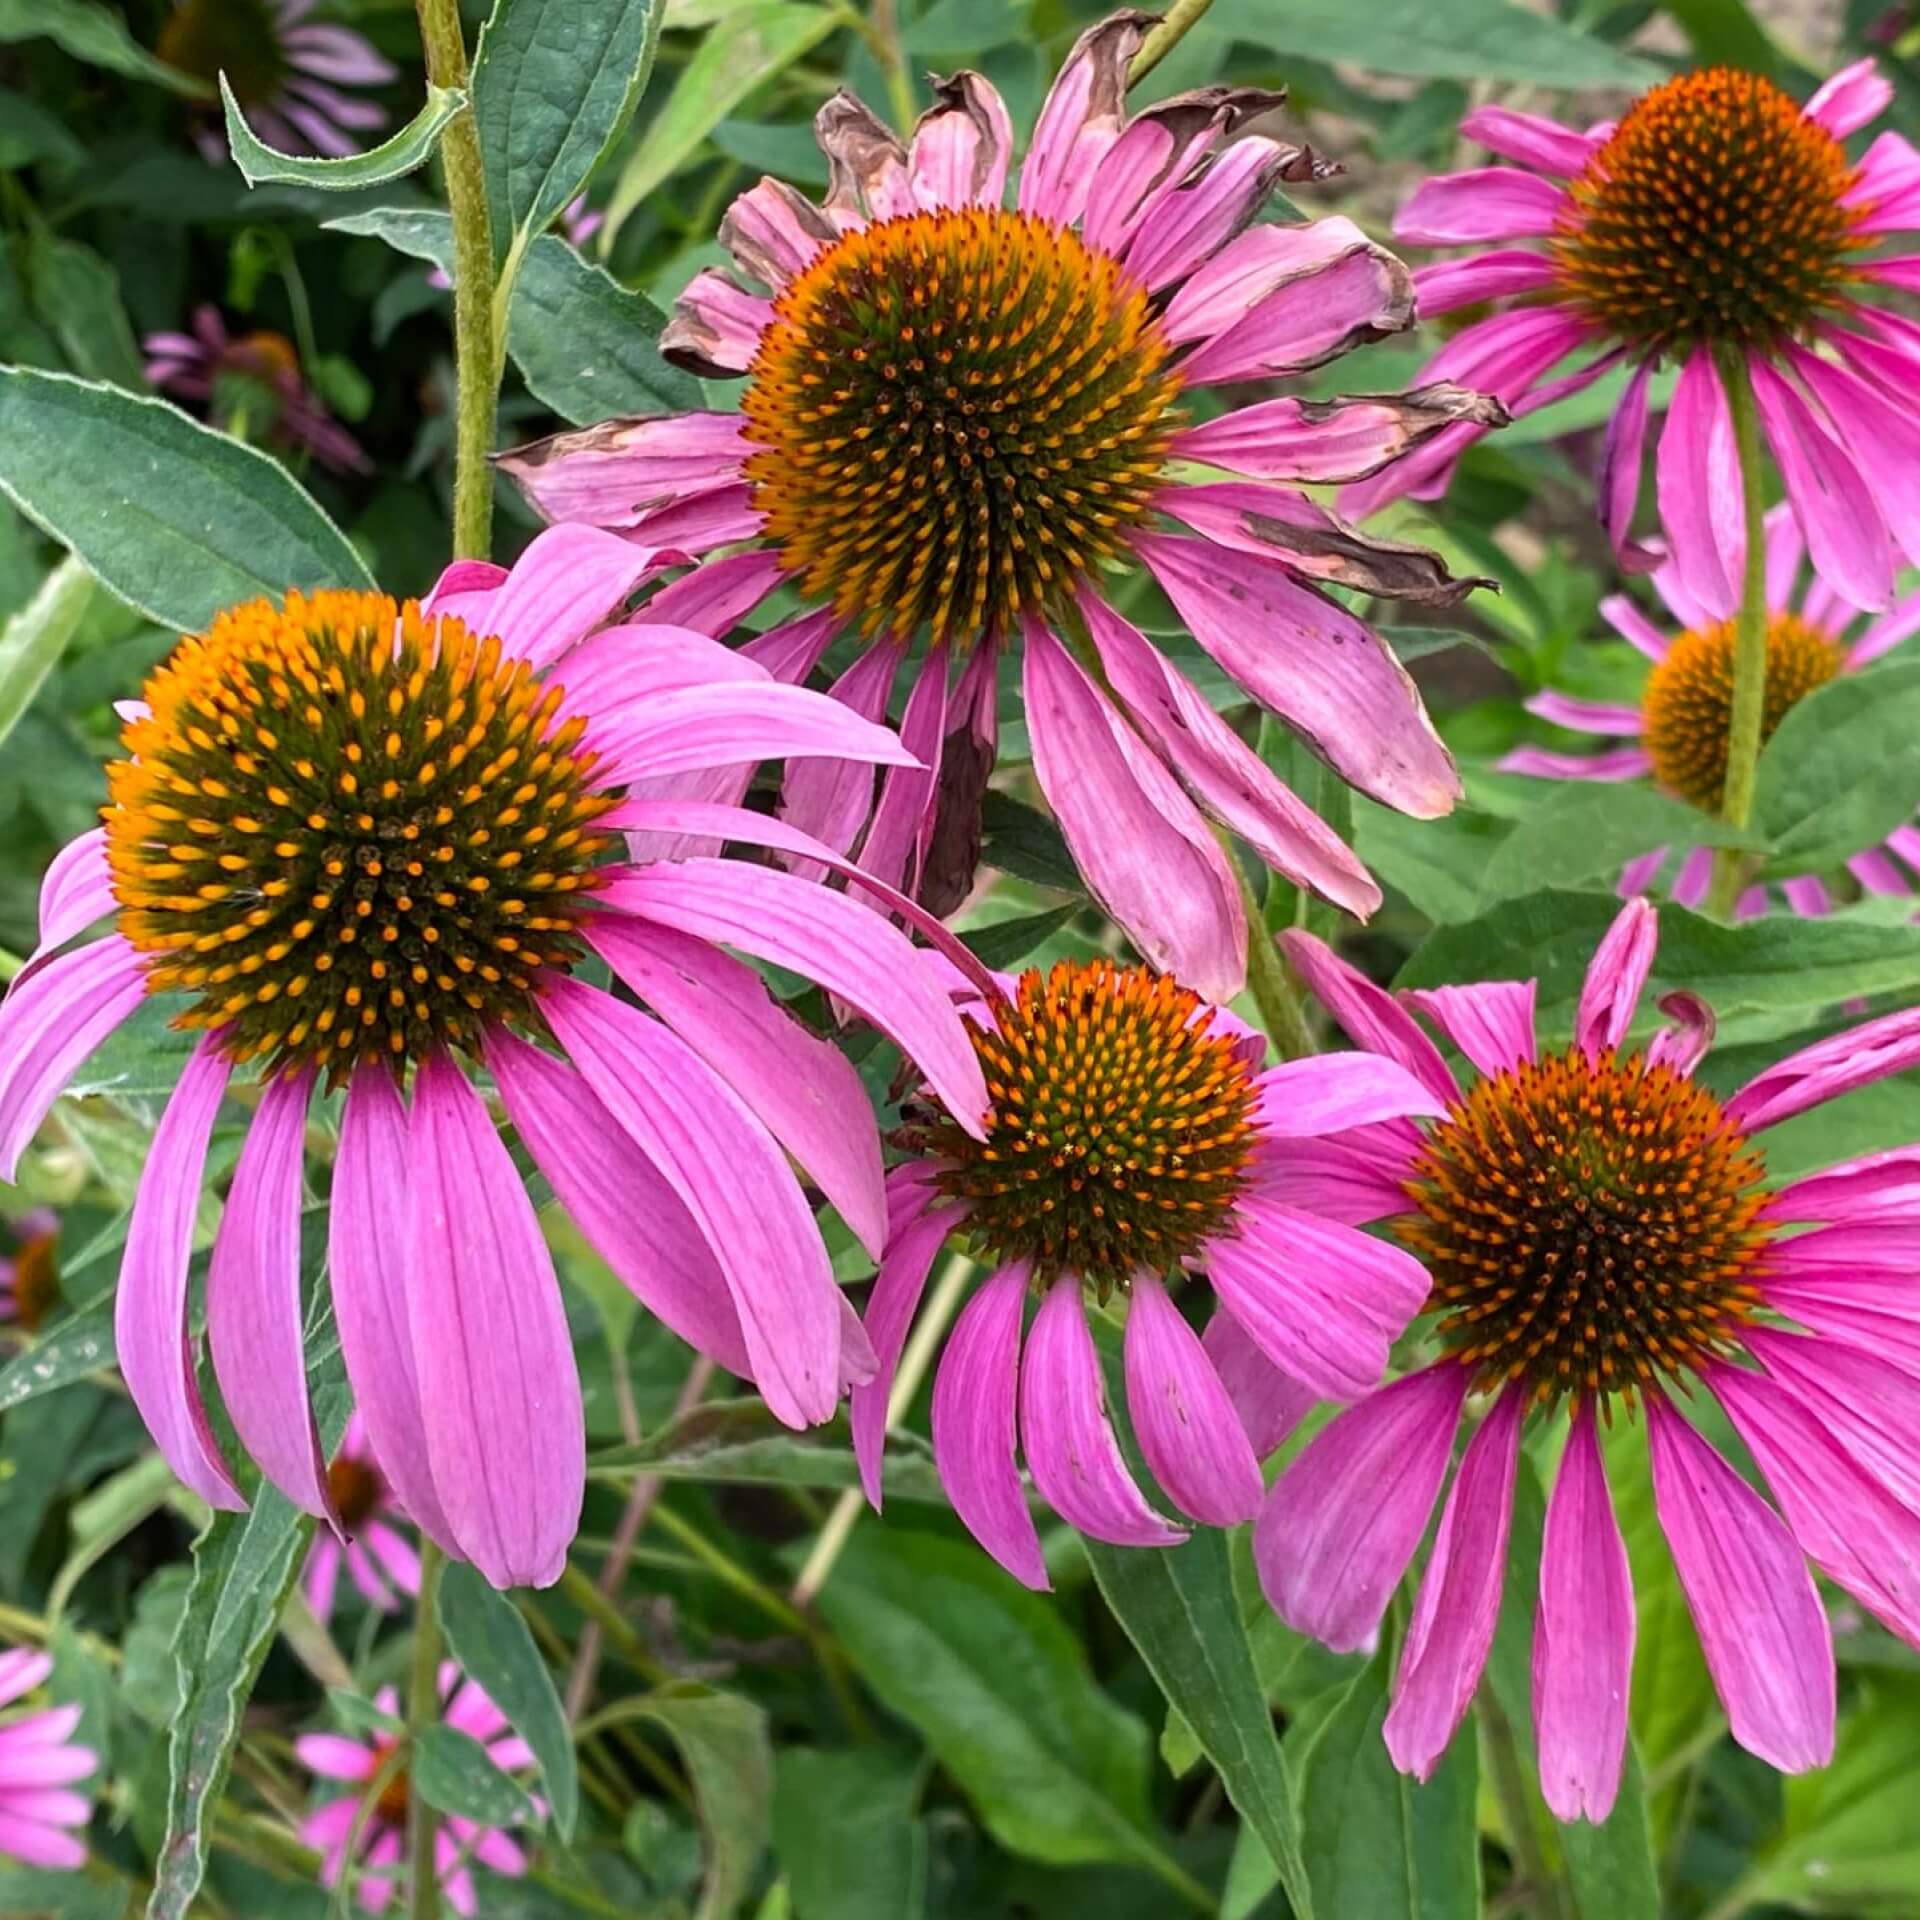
(250, 386)
(1603, 1235)
(1131, 1148)
(359, 841)
(38, 1765)
(29, 1268)
(960, 417)
(1717, 223)
(288, 72)
(1678, 730)
(379, 1559)
(383, 1834)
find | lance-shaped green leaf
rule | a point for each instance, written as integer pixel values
(32, 642)
(399, 154)
(81, 1344)
(451, 1771)
(93, 33)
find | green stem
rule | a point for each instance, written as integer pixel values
(1509, 1781)
(883, 35)
(475, 350)
(613, 1623)
(1270, 981)
(423, 1711)
(1749, 644)
(1165, 37)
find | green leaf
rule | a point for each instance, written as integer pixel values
(93, 33)
(1005, 943)
(1777, 965)
(27, 1892)
(723, 1739)
(81, 1344)
(77, 296)
(1376, 1842)
(398, 154)
(554, 85)
(740, 1443)
(585, 345)
(845, 1836)
(32, 642)
(740, 52)
(494, 1646)
(1001, 1691)
(1583, 833)
(1023, 841)
(1725, 33)
(244, 1565)
(176, 519)
(1462, 40)
(1842, 770)
(1179, 1609)
(450, 1770)
(1436, 864)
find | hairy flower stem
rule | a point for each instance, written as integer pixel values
(1270, 980)
(1730, 866)
(1165, 37)
(1535, 1881)
(476, 352)
(423, 1711)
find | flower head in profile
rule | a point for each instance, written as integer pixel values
(1676, 733)
(458, 1842)
(29, 1268)
(39, 1764)
(1129, 1156)
(293, 76)
(1606, 1240)
(367, 849)
(250, 385)
(379, 1559)
(967, 421)
(1718, 226)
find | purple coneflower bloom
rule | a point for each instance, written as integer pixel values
(383, 1842)
(1716, 222)
(1602, 1231)
(250, 385)
(1131, 1148)
(358, 840)
(29, 1271)
(38, 1765)
(379, 1559)
(1677, 734)
(288, 72)
(959, 416)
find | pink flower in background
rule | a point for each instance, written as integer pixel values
(39, 1764)
(379, 1559)
(381, 1861)
(1603, 1233)
(1718, 223)
(971, 422)
(29, 1270)
(250, 386)
(1131, 1148)
(290, 73)
(1677, 733)
(366, 846)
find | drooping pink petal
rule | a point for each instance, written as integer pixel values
(1701, 501)
(1760, 1622)
(1874, 1318)
(1329, 676)
(1491, 1022)
(828, 798)
(75, 891)
(1582, 1637)
(1157, 150)
(1340, 1525)
(804, 1090)
(1453, 1619)
(975, 1391)
(1531, 139)
(1332, 1178)
(904, 816)
(1684, 1044)
(773, 231)
(715, 326)
(1632, 625)
(1587, 716)
(334, 1757)
(1260, 262)
(1066, 1436)
(1844, 102)
(50, 1023)
(1616, 977)
(1502, 275)
(1485, 204)
(1827, 1069)
(718, 594)
(1080, 119)
(1268, 1403)
(917, 1227)
(1329, 1092)
(1326, 441)
(150, 1312)
(1870, 1406)
(866, 164)
(961, 146)
(833, 941)
(1185, 1419)
(499, 1391)
(253, 1301)
(21, 1670)
(1872, 451)
(1873, 1186)
(1542, 763)
(1140, 844)
(630, 1214)
(1367, 1014)
(367, 1261)
(1899, 623)
(1189, 225)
